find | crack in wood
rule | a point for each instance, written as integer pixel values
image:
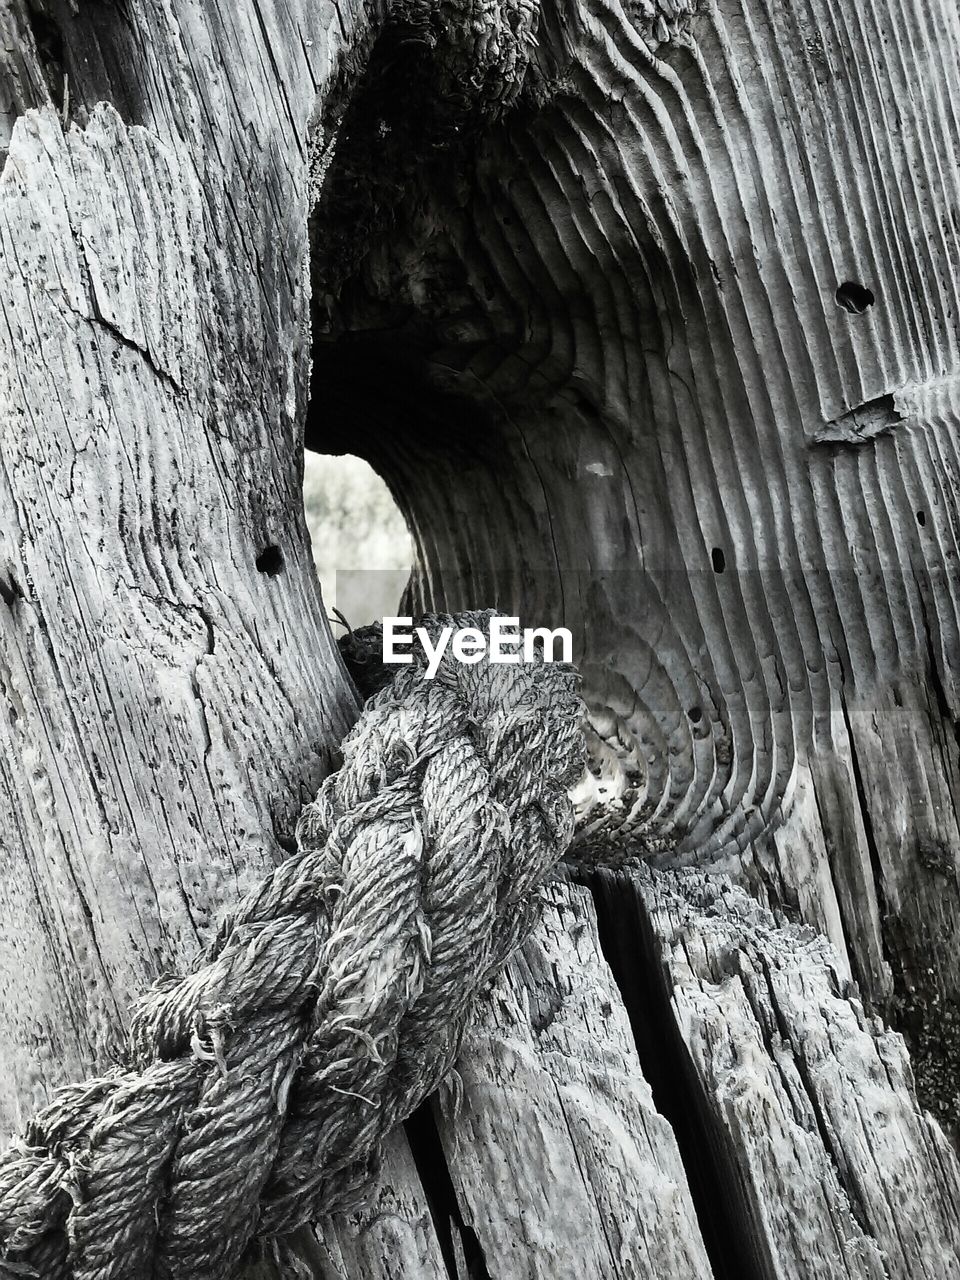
(629, 947)
(460, 1245)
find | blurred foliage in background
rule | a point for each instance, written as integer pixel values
(361, 545)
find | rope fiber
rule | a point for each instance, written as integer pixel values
(254, 1094)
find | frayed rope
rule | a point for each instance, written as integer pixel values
(255, 1093)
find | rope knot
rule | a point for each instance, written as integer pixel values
(256, 1091)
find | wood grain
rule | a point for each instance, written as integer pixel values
(670, 357)
(806, 1102)
(628, 378)
(562, 1165)
(169, 703)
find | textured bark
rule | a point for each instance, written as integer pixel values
(628, 377)
(171, 691)
(816, 1158)
(674, 354)
(168, 675)
(757, 1122)
(561, 1163)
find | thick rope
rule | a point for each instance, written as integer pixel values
(255, 1093)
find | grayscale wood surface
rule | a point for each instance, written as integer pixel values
(591, 286)
(562, 1165)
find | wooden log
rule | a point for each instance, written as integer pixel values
(670, 1081)
(671, 358)
(171, 693)
(171, 688)
(630, 378)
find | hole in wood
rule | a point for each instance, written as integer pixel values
(695, 715)
(270, 561)
(719, 560)
(854, 297)
(921, 518)
(362, 548)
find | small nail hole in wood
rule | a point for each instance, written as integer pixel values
(854, 297)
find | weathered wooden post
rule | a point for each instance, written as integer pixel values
(649, 316)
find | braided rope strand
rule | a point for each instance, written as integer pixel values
(256, 1091)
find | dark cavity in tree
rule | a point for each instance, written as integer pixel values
(49, 41)
(88, 53)
(718, 559)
